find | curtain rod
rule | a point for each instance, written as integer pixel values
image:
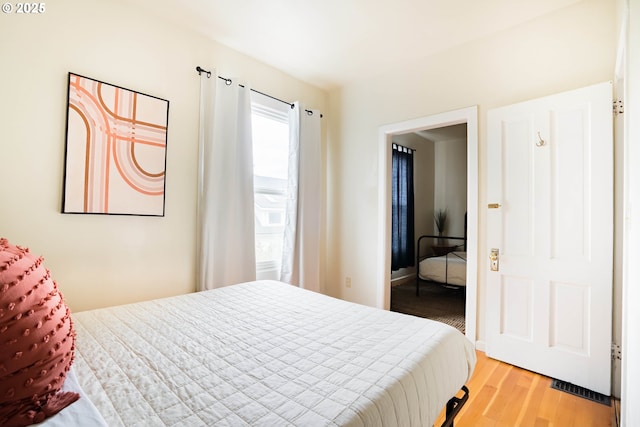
(201, 70)
(402, 147)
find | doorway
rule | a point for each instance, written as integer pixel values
(468, 116)
(438, 267)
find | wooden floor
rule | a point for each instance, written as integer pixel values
(503, 395)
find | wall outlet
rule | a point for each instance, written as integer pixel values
(347, 282)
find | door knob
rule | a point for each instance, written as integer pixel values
(494, 259)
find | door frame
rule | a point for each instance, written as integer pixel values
(469, 116)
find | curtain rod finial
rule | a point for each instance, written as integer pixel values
(201, 70)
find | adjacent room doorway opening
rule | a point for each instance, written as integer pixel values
(439, 183)
(468, 116)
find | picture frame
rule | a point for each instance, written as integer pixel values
(115, 151)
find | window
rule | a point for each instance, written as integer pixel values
(270, 127)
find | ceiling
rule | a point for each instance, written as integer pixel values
(446, 133)
(330, 43)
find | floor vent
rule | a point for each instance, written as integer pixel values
(581, 392)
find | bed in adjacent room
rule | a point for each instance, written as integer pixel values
(444, 261)
(449, 269)
(265, 353)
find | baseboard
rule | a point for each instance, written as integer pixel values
(481, 346)
(403, 279)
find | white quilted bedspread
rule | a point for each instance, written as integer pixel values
(450, 268)
(266, 354)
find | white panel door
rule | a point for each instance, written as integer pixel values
(550, 170)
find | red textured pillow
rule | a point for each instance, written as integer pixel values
(37, 340)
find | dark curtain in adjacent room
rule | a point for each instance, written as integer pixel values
(402, 216)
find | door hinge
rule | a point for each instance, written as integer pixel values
(616, 352)
(618, 107)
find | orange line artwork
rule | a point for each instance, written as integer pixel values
(133, 124)
(108, 150)
(123, 131)
(87, 143)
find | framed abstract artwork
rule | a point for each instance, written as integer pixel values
(116, 148)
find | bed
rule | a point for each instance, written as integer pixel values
(449, 269)
(263, 353)
(442, 259)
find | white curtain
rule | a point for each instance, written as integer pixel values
(301, 250)
(226, 248)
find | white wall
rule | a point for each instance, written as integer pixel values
(103, 260)
(451, 184)
(424, 186)
(571, 48)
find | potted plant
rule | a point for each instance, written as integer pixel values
(440, 217)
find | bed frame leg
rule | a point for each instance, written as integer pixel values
(453, 407)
